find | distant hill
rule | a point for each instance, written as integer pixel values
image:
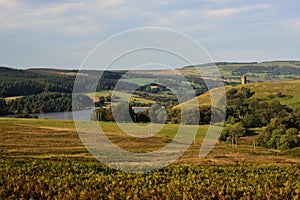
(255, 71)
(53, 71)
(283, 63)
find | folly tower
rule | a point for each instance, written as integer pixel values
(244, 80)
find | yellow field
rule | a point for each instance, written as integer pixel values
(8, 99)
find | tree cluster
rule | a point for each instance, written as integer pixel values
(282, 122)
(282, 132)
(44, 102)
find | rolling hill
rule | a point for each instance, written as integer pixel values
(286, 92)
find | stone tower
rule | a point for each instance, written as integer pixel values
(244, 79)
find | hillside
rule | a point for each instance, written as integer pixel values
(16, 82)
(286, 92)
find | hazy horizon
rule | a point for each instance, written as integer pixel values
(176, 67)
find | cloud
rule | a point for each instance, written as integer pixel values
(222, 12)
(233, 11)
(20, 15)
(8, 3)
(79, 18)
(295, 24)
(54, 26)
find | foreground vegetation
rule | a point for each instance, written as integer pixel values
(88, 179)
(45, 159)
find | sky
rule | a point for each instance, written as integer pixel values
(60, 34)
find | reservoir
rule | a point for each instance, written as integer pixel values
(68, 115)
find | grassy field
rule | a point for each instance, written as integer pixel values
(289, 89)
(122, 95)
(56, 138)
(103, 93)
(45, 159)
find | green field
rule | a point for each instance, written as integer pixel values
(8, 99)
(103, 93)
(141, 81)
(45, 159)
(122, 95)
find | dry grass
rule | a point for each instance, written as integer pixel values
(54, 138)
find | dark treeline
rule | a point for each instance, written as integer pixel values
(46, 90)
(268, 70)
(44, 102)
(15, 82)
(235, 63)
(120, 114)
(154, 114)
